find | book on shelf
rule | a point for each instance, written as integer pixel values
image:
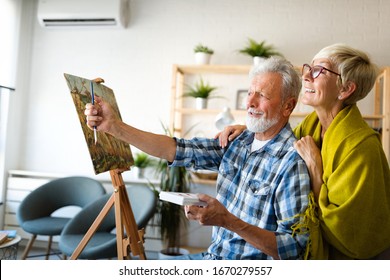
(182, 198)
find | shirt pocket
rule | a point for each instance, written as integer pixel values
(228, 171)
(259, 188)
(257, 200)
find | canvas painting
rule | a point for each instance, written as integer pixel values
(107, 153)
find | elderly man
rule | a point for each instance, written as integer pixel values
(263, 184)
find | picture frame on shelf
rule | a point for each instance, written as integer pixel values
(241, 99)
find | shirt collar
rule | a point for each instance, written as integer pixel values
(275, 146)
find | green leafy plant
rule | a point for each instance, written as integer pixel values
(200, 90)
(260, 49)
(142, 160)
(171, 218)
(203, 48)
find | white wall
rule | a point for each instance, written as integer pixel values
(136, 62)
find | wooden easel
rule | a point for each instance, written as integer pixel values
(124, 219)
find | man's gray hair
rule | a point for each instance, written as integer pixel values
(292, 83)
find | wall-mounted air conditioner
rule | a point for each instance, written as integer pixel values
(83, 13)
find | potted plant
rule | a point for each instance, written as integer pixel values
(170, 217)
(259, 50)
(202, 54)
(201, 91)
(141, 161)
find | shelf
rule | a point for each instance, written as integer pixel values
(203, 181)
(217, 69)
(192, 111)
(180, 114)
(373, 117)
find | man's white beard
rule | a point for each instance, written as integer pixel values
(259, 125)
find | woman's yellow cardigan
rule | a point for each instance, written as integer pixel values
(354, 202)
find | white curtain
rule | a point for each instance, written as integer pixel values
(9, 33)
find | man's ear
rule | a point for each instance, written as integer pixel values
(289, 106)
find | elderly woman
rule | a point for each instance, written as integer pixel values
(350, 175)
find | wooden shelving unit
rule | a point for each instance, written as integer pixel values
(380, 118)
(382, 108)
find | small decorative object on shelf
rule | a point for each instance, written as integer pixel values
(259, 50)
(202, 92)
(224, 118)
(202, 54)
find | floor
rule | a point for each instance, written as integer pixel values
(39, 253)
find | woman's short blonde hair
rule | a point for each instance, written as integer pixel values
(354, 66)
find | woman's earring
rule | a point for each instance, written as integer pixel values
(340, 97)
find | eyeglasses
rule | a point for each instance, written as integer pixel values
(316, 70)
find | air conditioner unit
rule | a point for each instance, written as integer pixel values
(83, 13)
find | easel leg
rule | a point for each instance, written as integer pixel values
(103, 213)
(124, 219)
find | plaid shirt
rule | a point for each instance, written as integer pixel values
(267, 188)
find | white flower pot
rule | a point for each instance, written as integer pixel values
(171, 253)
(257, 60)
(201, 103)
(139, 172)
(202, 58)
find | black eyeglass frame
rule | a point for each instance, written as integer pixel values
(322, 68)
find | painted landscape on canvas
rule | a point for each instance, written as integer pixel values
(108, 153)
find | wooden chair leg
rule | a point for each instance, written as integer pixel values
(28, 246)
(48, 250)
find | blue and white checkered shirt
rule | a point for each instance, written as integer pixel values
(267, 188)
